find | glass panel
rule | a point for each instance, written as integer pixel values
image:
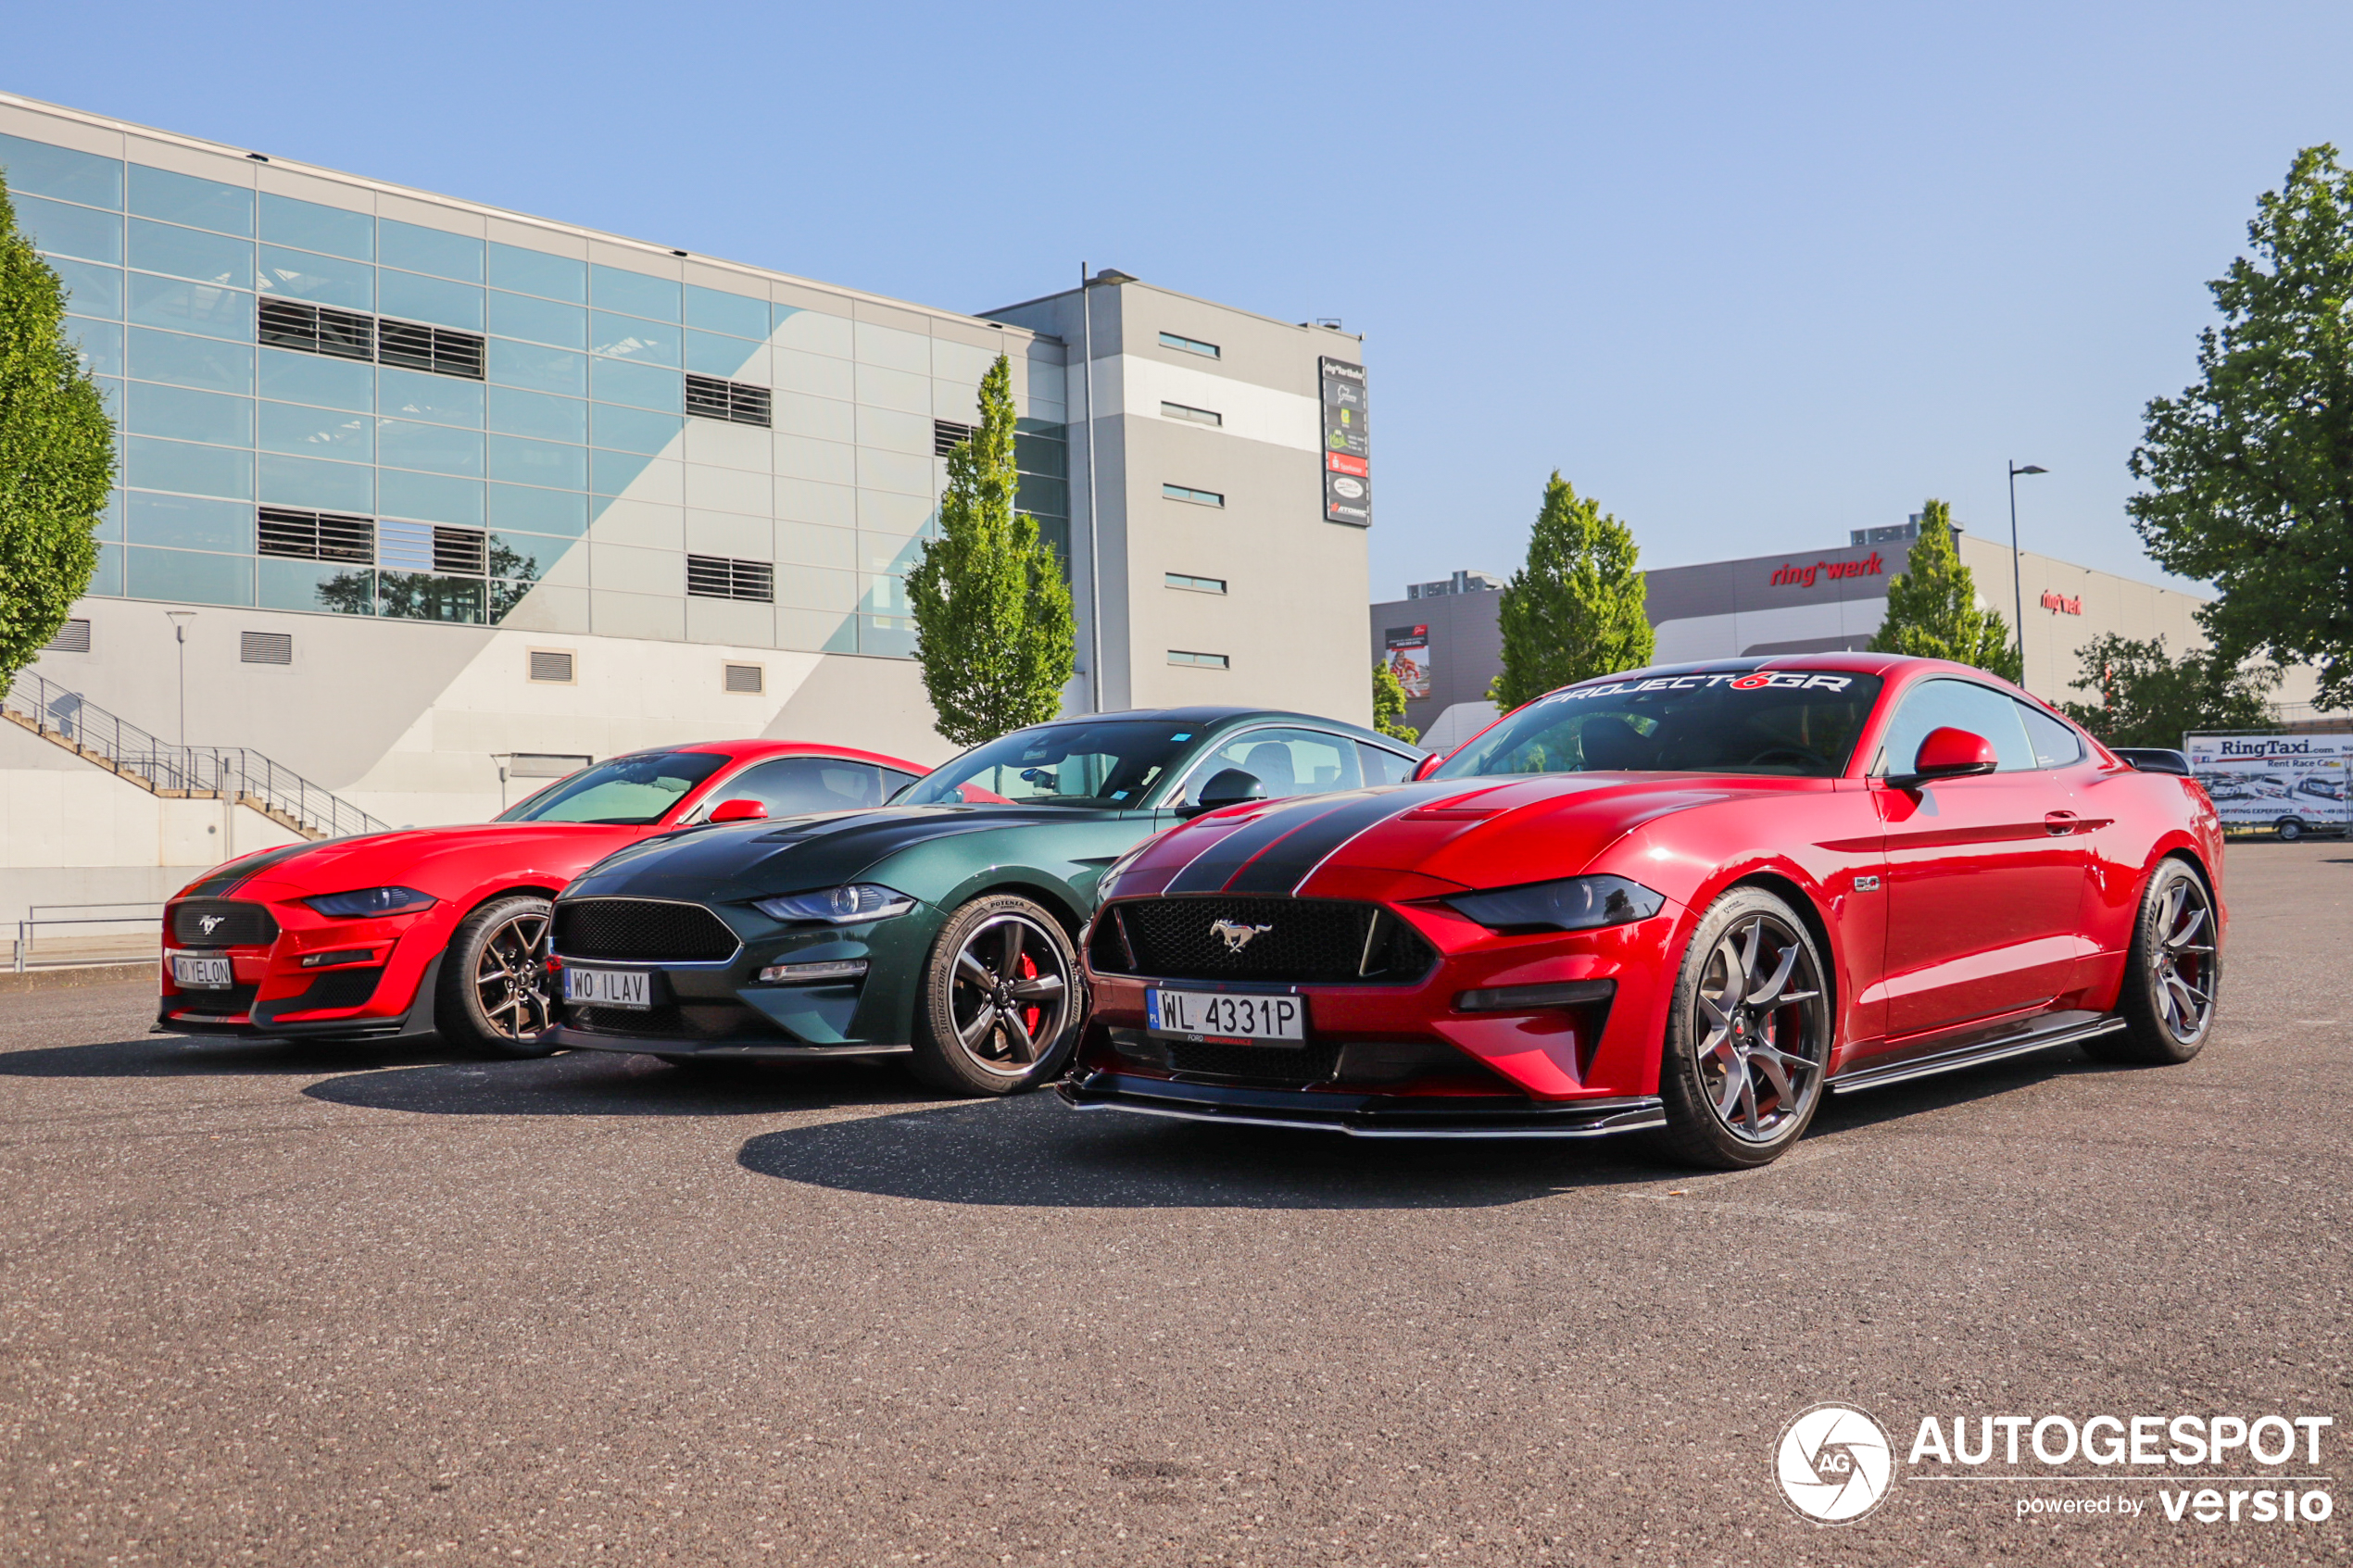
(177, 464)
(70, 230)
(190, 361)
(312, 227)
(184, 415)
(641, 386)
(523, 461)
(183, 199)
(187, 577)
(307, 584)
(540, 320)
(1042, 496)
(708, 353)
(442, 399)
(635, 430)
(431, 496)
(543, 370)
(613, 288)
(628, 337)
(106, 580)
(191, 252)
(303, 275)
(525, 558)
(720, 311)
(314, 378)
(404, 297)
(535, 272)
(192, 307)
(441, 449)
(419, 595)
(1287, 761)
(2055, 745)
(419, 249)
(318, 432)
(100, 344)
(516, 412)
(1384, 767)
(1958, 704)
(538, 511)
(90, 290)
(187, 523)
(1035, 452)
(887, 637)
(609, 474)
(41, 169)
(327, 487)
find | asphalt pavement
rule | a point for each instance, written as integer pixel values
(309, 1306)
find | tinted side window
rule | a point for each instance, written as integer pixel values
(893, 780)
(1958, 705)
(1285, 762)
(1384, 767)
(2054, 745)
(792, 785)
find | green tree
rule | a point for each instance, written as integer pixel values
(2251, 470)
(994, 629)
(1389, 705)
(56, 455)
(1931, 605)
(1574, 611)
(2146, 698)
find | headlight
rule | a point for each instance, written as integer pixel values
(372, 901)
(838, 905)
(1576, 903)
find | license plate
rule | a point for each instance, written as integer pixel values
(201, 974)
(606, 987)
(1216, 1015)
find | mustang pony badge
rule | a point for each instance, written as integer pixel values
(1235, 934)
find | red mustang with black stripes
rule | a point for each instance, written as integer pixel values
(394, 935)
(1687, 900)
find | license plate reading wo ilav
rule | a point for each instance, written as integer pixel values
(606, 987)
(1227, 1017)
(201, 974)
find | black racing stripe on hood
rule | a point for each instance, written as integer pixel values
(1288, 861)
(1207, 871)
(229, 877)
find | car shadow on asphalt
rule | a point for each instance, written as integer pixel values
(601, 1084)
(1946, 1090)
(178, 1056)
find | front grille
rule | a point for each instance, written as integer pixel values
(641, 931)
(1300, 941)
(231, 924)
(336, 988)
(1290, 1067)
(703, 1021)
(235, 1000)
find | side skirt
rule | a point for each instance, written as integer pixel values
(2036, 1035)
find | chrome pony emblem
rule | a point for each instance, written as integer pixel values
(207, 922)
(1235, 934)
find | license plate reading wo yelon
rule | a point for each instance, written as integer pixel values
(201, 974)
(1218, 1015)
(606, 987)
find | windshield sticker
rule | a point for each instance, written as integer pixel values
(1779, 679)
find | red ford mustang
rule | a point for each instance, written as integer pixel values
(397, 933)
(1687, 899)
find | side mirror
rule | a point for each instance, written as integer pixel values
(1427, 766)
(1230, 787)
(1947, 754)
(738, 810)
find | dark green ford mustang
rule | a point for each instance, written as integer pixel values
(942, 927)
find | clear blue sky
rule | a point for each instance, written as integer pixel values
(1753, 275)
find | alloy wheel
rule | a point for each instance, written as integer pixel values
(1760, 1063)
(510, 976)
(2181, 960)
(1011, 995)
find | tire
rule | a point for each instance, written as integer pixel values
(1748, 1041)
(2172, 974)
(494, 996)
(1000, 1002)
(2290, 829)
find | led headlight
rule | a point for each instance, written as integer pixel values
(838, 905)
(812, 974)
(1576, 903)
(368, 901)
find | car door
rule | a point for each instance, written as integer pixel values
(1985, 873)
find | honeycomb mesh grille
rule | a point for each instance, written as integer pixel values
(671, 1020)
(1290, 1067)
(1301, 941)
(233, 924)
(641, 931)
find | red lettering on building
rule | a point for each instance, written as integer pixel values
(2060, 604)
(1805, 576)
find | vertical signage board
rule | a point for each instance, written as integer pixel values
(1348, 447)
(2258, 781)
(1409, 658)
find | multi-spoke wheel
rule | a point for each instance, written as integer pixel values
(1001, 1003)
(1749, 1040)
(496, 995)
(2173, 976)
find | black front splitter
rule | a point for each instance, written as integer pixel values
(1361, 1115)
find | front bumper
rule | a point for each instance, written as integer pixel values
(566, 1037)
(1361, 1115)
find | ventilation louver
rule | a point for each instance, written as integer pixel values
(716, 577)
(746, 678)
(947, 435)
(72, 637)
(265, 648)
(329, 536)
(546, 664)
(709, 397)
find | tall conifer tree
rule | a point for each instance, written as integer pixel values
(1575, 609)
(1931, 605)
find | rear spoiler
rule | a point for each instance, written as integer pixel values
(2154, 760)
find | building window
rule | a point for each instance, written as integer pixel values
(750, 679)
(716, 577)
(1199, 660)
(707, 398)
(1197, 416)
(1196, 585)
(353, 334)
(265, 648)
(1190, 345)
(303, 535)
(947, 435)
(1187, 492)
(72, 637)
(553, 666)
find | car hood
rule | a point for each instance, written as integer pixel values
(443, 861)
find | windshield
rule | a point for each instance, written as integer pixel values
(625, 792)
(1109, 766)
(1797, 723)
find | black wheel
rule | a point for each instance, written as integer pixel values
(2172, 974)
(495, 996)
(2290, 829)
(1749, 1038)
(1000, 1002)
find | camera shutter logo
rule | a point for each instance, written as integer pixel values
(1835, 1464)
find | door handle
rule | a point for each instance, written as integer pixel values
(2060, 822)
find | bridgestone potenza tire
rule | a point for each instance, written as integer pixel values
(1749, 1035)
(494, 996)
(999, 1001)
(2172, 974)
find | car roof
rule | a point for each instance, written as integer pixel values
(1222, 718)
(746, 751)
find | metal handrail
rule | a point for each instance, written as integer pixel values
(228, 770)
(150, 913)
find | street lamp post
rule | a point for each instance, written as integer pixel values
(180, 618)
(2017, 584)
